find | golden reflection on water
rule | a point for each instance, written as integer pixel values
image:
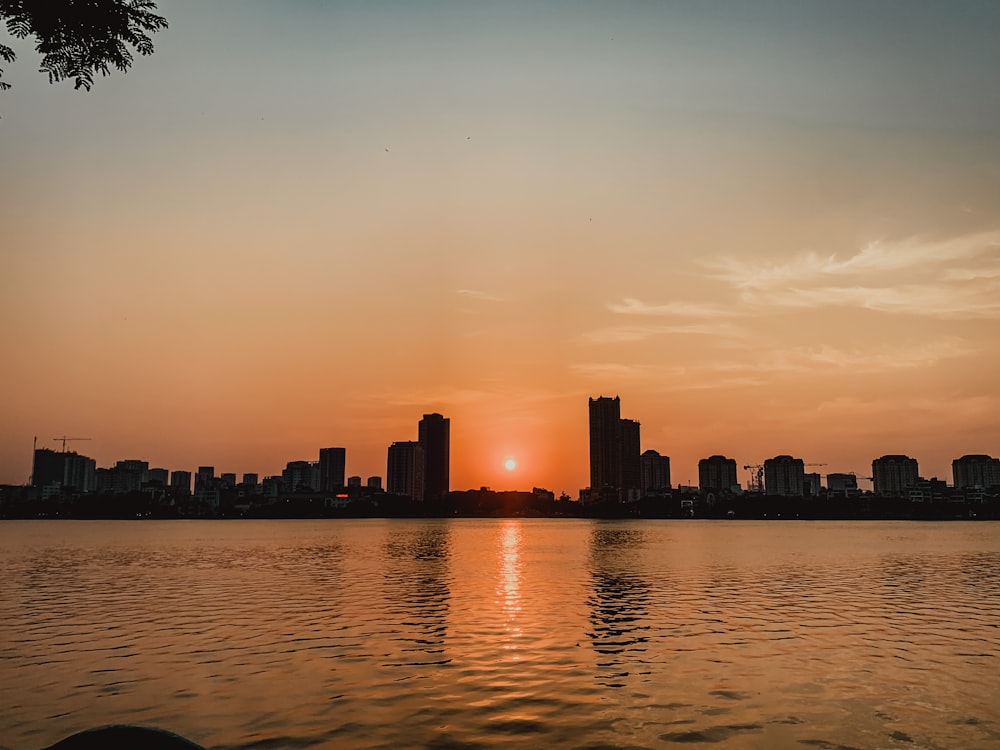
(509, 585)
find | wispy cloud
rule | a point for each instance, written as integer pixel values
(873, 258)
(478, 295)
(910, 277)
(947, 301)
(782, 363)
(633, 306)
(620, 334)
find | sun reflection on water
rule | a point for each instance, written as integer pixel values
(509, 585)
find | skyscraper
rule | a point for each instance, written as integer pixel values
(434, 435)
(894, 474)
(631, 477)
(976, 471)
(405, 470)
(655, 472)
(605, 443)
(784, 475)
(332, 465)
(717, 473)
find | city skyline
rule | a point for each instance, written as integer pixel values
(420, 469)
(771, 228)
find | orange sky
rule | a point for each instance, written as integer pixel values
(769, 231)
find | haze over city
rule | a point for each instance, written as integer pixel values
(772, 228)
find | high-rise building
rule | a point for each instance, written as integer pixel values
(249, 480)
(48, 468)
(374, 483)
(784, 475)
(976, 471)
(717, 474)
(894, 474)
(405, 470)
(205, 475)
(297, 476)
(332, 465)
(655, 472)
(129, 475)
(605, 443)
(434, 435)
(181, 481)
(157, 475)
(631, 479)
(79, 472)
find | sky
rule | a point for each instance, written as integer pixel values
(770, 228)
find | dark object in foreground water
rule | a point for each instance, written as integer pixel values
(125, 737)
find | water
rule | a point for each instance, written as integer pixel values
(504, 633)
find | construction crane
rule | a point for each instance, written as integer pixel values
(65, 439)
(757, 478)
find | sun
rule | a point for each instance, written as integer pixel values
(510, 464)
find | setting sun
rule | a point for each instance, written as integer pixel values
(510, 464)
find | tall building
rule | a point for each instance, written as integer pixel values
(48, 468)
(79, 472)
(205, 475)
(655, 472)
(181, 481)
(605, 443)
(894, 474)
(297, 476)
(976, 471)
(249, 479)
(405, 470)
(631, 463)
(784, 475)
(717, 473)
(332, 465)
(374, 483)
(129, 475)
(434, 435)
(158, 475)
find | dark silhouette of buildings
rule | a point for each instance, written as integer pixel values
(297, 476)
(842, 484)
(615, 466)
(631, 461)
(655, 473)
(605, 453)
(332, 467)
(404, 473)
(717, 474)
(434, 435)
(894, 474)
(53, 471)
(784, 475)
(977, 471)
(181, 481)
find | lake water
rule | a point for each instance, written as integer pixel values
(504, 633)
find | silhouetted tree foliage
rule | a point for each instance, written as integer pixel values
(79, 38)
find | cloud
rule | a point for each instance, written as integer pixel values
(796, 361)
(946, 301)
(955, 278)
(632, 306)
(621, 334)
(476, 294)
(875, 257)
